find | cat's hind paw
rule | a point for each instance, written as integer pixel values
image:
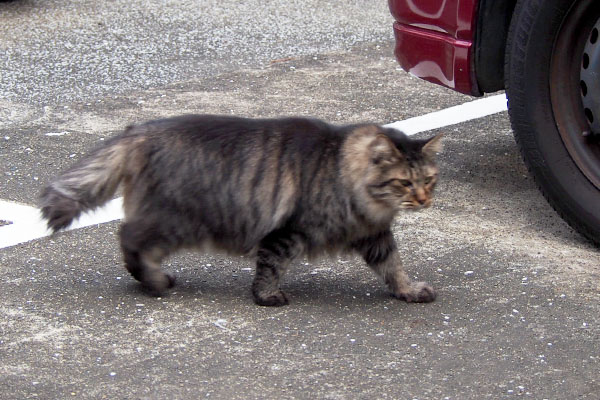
(158, 283)
(418, 292)
(277, 299)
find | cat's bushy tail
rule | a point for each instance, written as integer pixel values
(88, 184)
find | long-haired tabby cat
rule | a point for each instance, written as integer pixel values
(275, 188)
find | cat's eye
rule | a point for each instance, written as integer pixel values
(405, 182)
(428, 180)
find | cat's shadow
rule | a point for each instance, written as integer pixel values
(339, 290)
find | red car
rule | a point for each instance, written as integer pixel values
(546, 55)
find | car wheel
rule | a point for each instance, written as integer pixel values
(553, 90)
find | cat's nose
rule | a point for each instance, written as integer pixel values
(421, 197)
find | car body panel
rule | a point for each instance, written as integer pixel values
(435, 40)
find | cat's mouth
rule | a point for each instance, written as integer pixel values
(411, 205)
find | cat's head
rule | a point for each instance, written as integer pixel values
(402, 172)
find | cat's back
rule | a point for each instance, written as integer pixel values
(223, 128)
(233, 143)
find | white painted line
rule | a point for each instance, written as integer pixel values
(16, 212)
(453, 115)
(30, 225)
(27, 224)
(24, 231)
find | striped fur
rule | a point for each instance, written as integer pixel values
(275, 188)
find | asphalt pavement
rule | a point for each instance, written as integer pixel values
(517, 312)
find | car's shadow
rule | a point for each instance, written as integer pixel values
(491, 167)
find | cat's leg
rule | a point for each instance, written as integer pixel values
(381, 254)
(275, 252)
(143, 250)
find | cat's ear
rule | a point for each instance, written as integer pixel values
(383, 151)
(433, 145)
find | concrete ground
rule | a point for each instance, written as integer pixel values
(518, 308)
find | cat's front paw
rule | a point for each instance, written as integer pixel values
(417, 292)
(276, 299)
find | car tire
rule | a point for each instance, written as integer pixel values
(543, 78)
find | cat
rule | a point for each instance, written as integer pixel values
(277, 189)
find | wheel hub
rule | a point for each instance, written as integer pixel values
(590, 79)
(575, 86)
